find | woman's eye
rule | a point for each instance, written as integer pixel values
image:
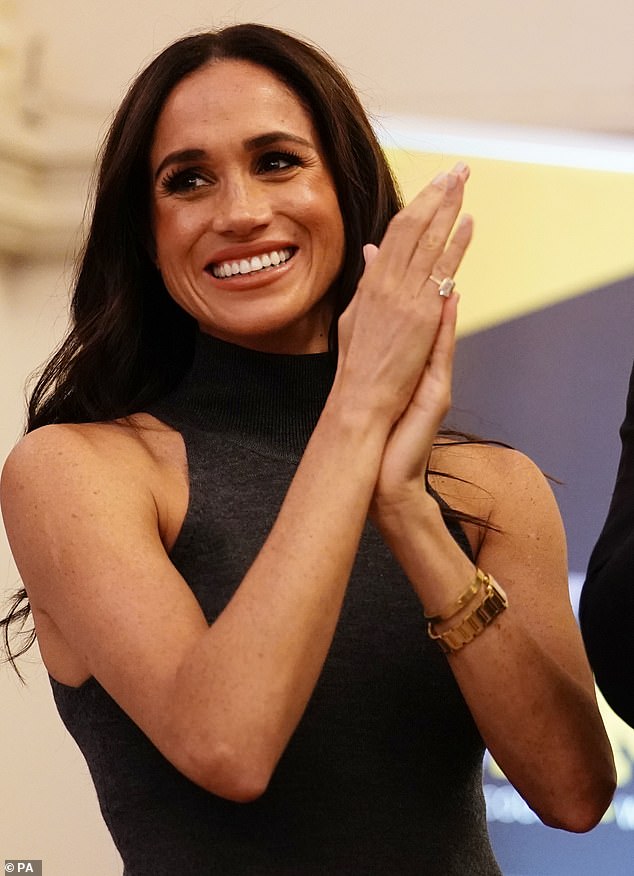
(278, 161)
(184, 181)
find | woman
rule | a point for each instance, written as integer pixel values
(220, 624)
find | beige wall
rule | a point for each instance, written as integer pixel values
(565, 63)
(547, 64)
(47, 806)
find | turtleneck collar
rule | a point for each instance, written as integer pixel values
(268, 401)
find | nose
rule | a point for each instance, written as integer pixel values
(240, 207)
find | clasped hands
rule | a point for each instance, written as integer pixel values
(398, 333)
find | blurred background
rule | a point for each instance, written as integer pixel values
(539, 99)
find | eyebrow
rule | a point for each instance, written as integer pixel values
(251, 145)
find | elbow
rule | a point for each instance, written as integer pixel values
(581, 811)
(227, 771)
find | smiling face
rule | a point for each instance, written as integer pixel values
(247, 227)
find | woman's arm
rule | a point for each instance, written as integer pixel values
(220, 702)
(525, 678)
(606, 608)
(83, 513)
(555, 749)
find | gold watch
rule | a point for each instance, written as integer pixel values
(493, 603)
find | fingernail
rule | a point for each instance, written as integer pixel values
(452, 181)
(460, 167)
(438, 180)
(369, 251)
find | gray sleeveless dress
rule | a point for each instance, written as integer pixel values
(383, 775)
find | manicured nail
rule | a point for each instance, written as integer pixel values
(369, 252)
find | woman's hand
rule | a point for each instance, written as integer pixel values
(410, 442)
(389, 330)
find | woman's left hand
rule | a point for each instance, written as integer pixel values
(408, 448)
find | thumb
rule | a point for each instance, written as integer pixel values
(369, 253)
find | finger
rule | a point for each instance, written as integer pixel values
(433, 241)
(415, 431)
(448, 263)
(442, 354)
(434, 386)
(370, 252)
(401, 241)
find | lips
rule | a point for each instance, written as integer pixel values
(251, 264)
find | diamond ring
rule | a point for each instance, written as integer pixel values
(445, 287)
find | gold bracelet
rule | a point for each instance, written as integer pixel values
(464, 599)
(494, 602)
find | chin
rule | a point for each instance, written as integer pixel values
(272, 332)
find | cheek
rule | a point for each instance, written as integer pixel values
(175, 229)
(318, 209)
(336, 235)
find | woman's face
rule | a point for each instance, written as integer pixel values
(248, 232)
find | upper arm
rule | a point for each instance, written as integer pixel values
(524, 546)
(82, 522)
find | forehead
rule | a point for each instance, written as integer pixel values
(230, 98)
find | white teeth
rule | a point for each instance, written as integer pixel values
(249, 266)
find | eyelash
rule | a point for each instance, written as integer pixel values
(291, 158)
(179, 181)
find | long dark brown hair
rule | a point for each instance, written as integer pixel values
(124, 324)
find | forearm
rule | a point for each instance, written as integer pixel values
(537, 715)
(258, 663)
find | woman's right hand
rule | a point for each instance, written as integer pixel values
(388, 331)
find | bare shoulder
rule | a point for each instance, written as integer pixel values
(78, 453)
(499, 485)
(77, 444)
(126, 468)
(486, 465)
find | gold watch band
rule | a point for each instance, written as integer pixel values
(493, 604)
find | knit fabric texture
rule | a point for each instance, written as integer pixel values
(383, 774)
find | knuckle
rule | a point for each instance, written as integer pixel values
(366, 289)
(404, 220)
(431, 241)
(442, 269)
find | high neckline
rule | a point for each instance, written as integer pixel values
(268, 401)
